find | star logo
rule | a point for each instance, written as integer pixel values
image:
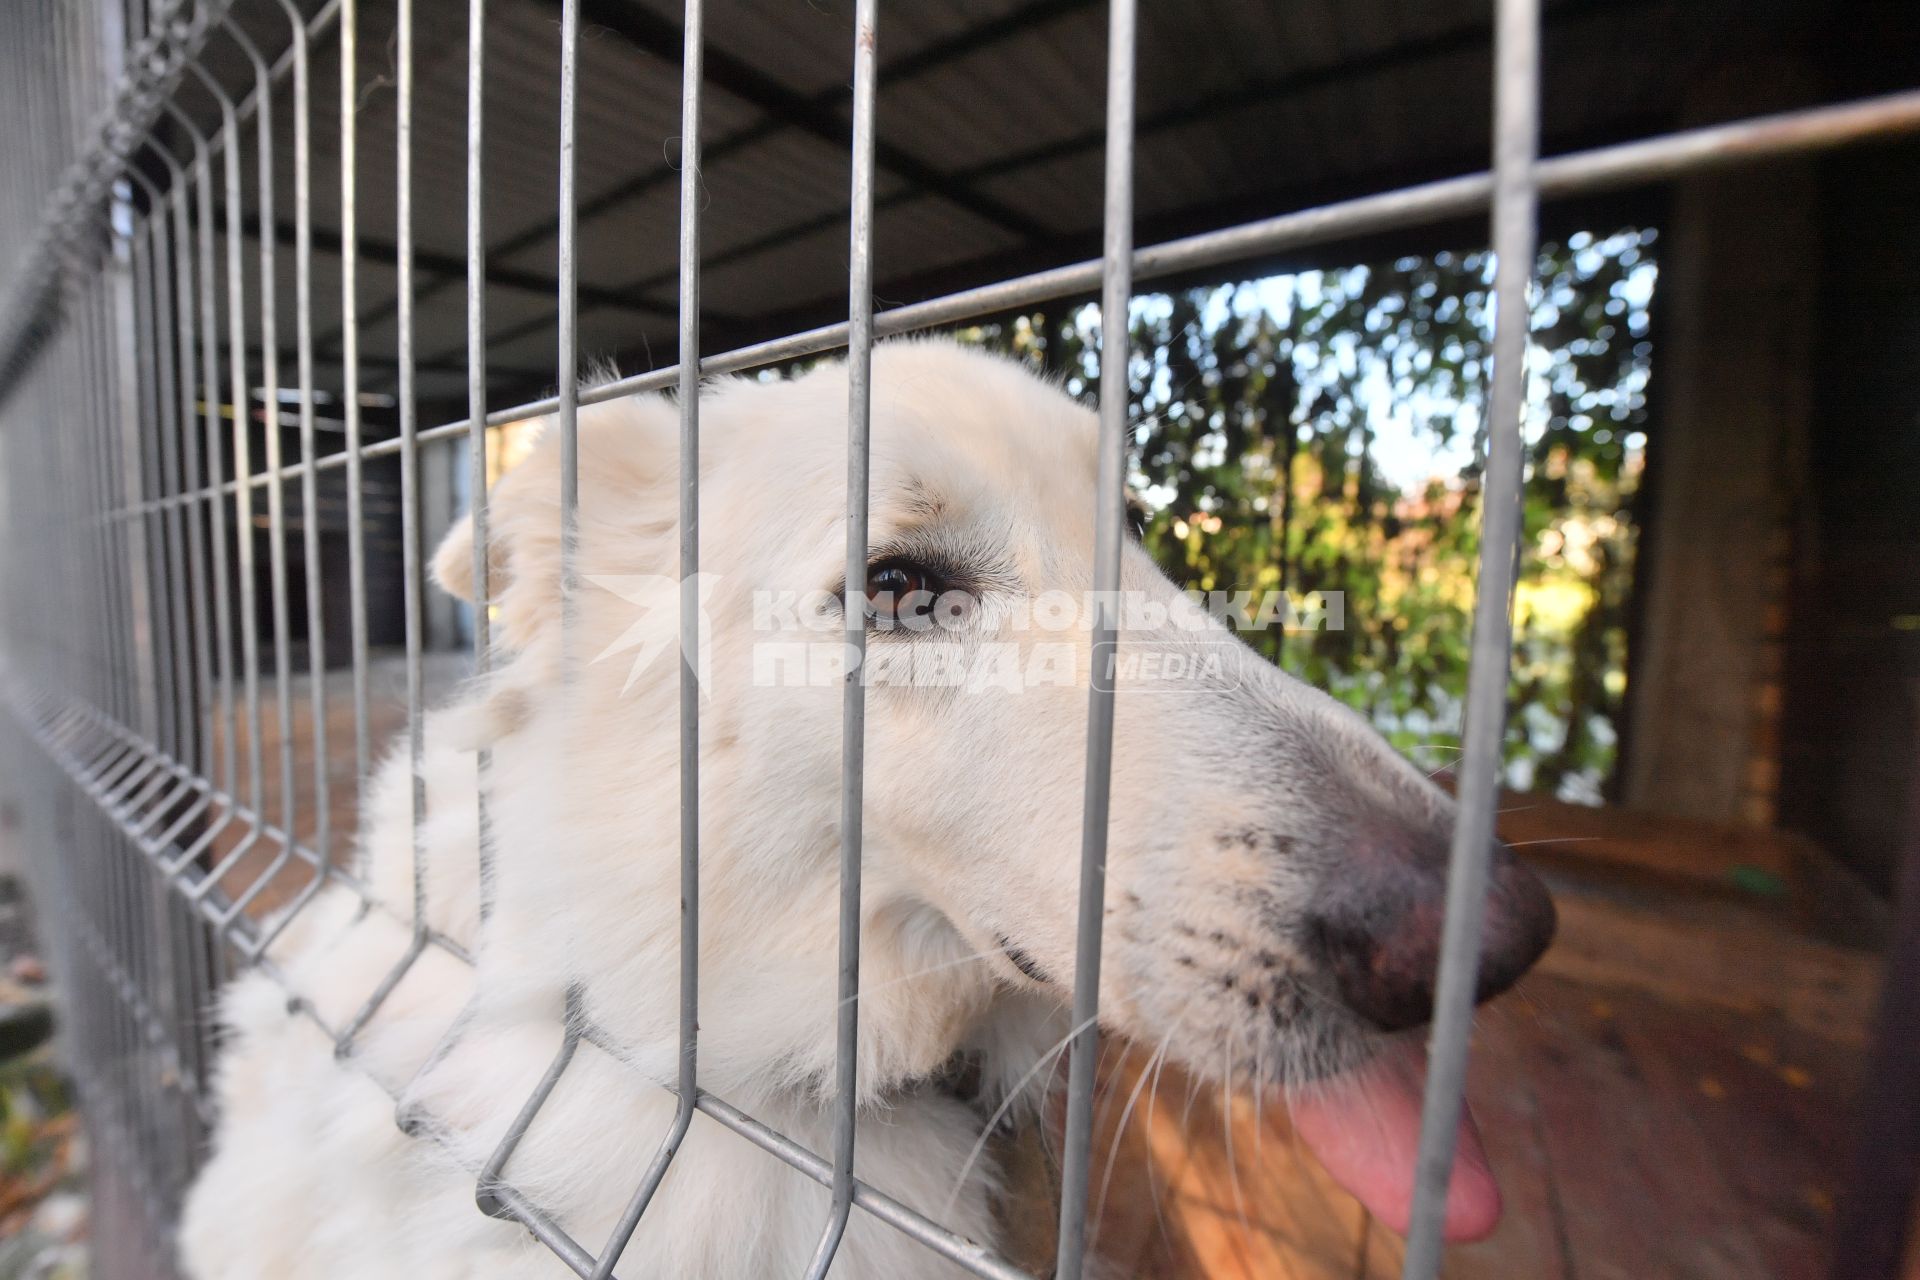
(657, 629)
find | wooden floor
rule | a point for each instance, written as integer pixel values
(1633, 1139)
(1666, 1096)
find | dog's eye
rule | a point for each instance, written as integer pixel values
(900, 590)
(895, 579)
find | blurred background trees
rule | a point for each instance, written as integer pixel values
(1322, 432)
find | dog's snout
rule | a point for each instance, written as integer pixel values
(1377, 924)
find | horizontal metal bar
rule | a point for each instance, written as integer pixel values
(1577, 173)
(514, 1203)
(62, 727)
(976, 1258)
(127, 740)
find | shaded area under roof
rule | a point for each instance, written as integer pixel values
(990, 143)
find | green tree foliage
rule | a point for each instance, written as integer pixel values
(1322, 433)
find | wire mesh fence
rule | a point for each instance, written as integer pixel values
(166, 422)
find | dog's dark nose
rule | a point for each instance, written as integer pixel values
(1376, 923)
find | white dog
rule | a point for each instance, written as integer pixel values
(1274, 874)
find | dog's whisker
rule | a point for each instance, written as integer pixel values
(1194, 1083)
(1153, 1164)
(1226, 1128)
(919, 973)
(1102, 1080)
(1259, 1091)
(1000, 1112)
(1120, 1129)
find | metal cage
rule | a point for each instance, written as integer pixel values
(139, 330)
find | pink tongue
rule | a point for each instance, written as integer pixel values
(1365, 1129)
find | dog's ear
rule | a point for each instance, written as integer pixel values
(626, 458)
(453, 563)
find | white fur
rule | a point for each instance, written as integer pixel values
(1227, 799)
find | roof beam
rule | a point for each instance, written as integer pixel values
(1475, 34)
(1466, 37)
(818, 116)
(1210, 215)
(453, 270)
(513, 374)
(935, 55)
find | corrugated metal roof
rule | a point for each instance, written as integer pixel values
(990, 131)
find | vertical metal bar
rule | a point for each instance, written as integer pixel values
(106, 600)
(410, 453)
(62, 536)
(221, 728)
(477, 417)
(283, 630)
(108, 411)
(155, 375)
(692, 72)
(133, 343)
(215, 640)
(164, 410)
(309, 481)
(69, 413)
(350, 377)
(81, 418)
(141, 300)
(120, 378)
(192, 681)
(854, 616)
(185, 633)
(1516, 133)
(276, 483)
(242, 455)
(1116, 293)
(156, 336)
(115, 367)
(186, 1008)
(169, 1121)
(63, 533)
(406, 1113)
(687, 1090)
(567, 299)
(114, 409)
(409, 522)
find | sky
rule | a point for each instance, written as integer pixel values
(1406, 454)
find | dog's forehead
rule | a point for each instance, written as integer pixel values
(959, 438)
(964, 432)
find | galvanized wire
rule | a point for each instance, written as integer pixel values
(1116, 295)
(687, 1086)
(1516, 132)
(128, 414)
(853, 720)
